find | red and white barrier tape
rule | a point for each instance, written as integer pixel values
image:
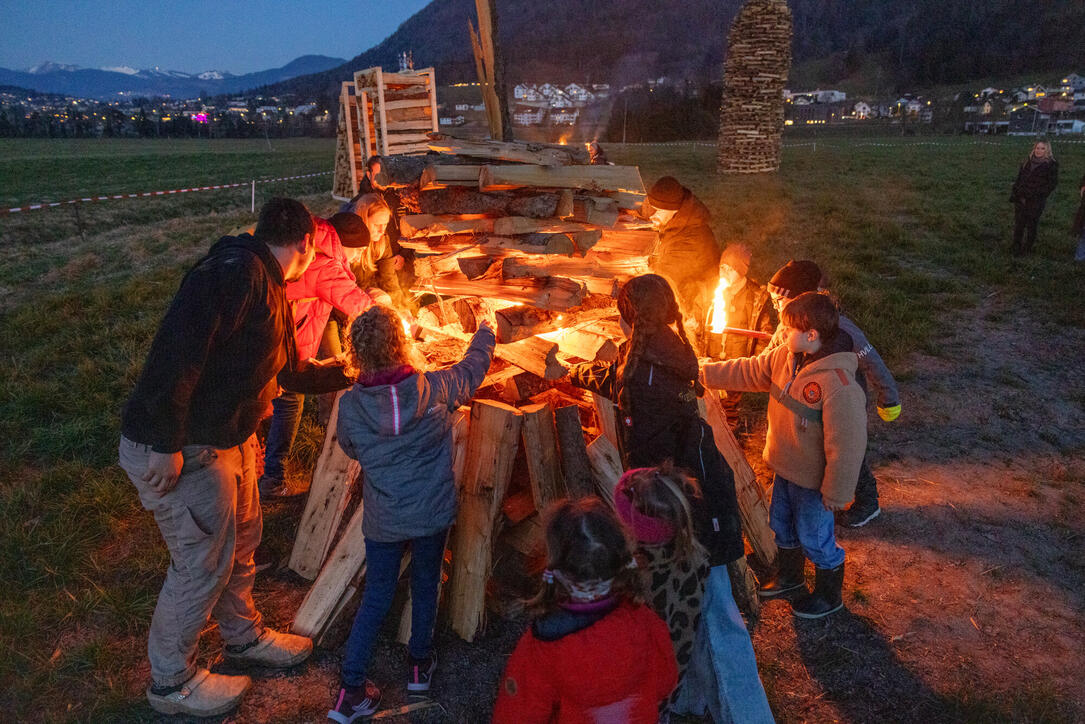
(145, 194)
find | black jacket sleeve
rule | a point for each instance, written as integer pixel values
(181, 346)
(597, 377)
(312, 379)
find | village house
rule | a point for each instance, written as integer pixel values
(862, 110)
(1074, 83)
(578, 94)
(564, 116)
(529, 115)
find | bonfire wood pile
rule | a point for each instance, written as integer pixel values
(755, 73)
(532, 238)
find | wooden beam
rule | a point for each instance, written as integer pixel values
(590, 178)
(439, 176)
(324, 596)
(575, 465)
(586, 344)
(328, 495)
(752, 506)
(557, 293)
(498, 151)
(627, 243)
(415, 225)
(593, 264)
(541, 452)
(606, 467)
(512, 225)
(492, 442)
(606, 416)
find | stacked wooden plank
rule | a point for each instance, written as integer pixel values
(755, 74)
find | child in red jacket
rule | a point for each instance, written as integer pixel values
(595, 652)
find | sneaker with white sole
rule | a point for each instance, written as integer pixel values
(859, 514)
(420, 672)
(205, 694)
(354, 703)
(273, 649)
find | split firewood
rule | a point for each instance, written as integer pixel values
(329, 492)
(554, 292)
(492, 441)
(458, 200)
(603, 179)
(534, 354)
(586, 344)
(539, 206)
(523, 386)
(520, 152)
(414, 225)
(606, 417)
(323, 598)
(594, 210)
(606, 467)
(565, 203)
(752, 506)
(629, 243)
(518, 506)
(575, 464)
(606, 266)
(474, 267)
(526, 537)
(512, 225)
(520, 322)
(440, 176)
(540, 446)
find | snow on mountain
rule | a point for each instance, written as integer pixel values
(212, 75)
(49, 66)
(126, 69)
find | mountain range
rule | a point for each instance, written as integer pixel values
(108, 83)
(859, 44)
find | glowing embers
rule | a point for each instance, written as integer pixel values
(717, 315)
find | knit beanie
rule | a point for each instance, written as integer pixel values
(794, 278)
(353, 233)
(667, 194)
(737, 256)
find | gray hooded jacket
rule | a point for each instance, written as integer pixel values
(401, 435)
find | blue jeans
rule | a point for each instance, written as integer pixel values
(798, 518)
(285, 418)
(1080, 255)
(722, 675)
(381, 575)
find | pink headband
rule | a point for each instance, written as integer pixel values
(646, 528)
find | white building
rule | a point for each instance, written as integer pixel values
(578, 94)
(1075, 82)
(529, 115)
(546, 90)
(559, 99)
(1068, 126)
(861, 110)
(564, 116)
(527, 92)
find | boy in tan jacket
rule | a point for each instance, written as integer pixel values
(815, 443)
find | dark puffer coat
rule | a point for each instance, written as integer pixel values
(688, 256)
(1035, 182)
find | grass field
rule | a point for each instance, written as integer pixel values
(913, 237)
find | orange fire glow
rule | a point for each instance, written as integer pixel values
(564, 139)
(718, 314)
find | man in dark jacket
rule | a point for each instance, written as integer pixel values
(687, 255)
(1036, 179)
(223, 348)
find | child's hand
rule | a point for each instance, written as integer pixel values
(832, 506)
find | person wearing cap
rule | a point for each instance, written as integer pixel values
(687, 254)
(384, 264)
(748, 306)
(327, 285)
(795, 278)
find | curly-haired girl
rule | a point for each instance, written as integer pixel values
(655, 383)
(594, 651)
(396, 421)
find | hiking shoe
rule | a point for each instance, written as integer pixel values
(356, 702)
(276, 488)
(420, 672)
(205, 694)
(826, 596)
(859, 514)
(273, 649)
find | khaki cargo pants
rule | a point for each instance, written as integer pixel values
(211, 523)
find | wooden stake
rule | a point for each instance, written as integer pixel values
(328, 495)
(606, 467)
(541, 451)
(323, 599)
(606, 414)
(752, 506)
(491, 448)
(575, 464)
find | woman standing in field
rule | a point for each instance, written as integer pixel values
(1036, 179)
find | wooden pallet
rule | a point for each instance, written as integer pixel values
(403, 108)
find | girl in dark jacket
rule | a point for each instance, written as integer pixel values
(1036, 179)
(654, 382)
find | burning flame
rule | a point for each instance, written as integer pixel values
(564, 139)
(718, 313)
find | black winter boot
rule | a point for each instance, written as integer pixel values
(826, 598)
(788, 578)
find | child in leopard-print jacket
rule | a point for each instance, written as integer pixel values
(653, 503)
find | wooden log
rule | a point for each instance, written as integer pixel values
(586, 344)
(541, 449)
(474, 267)
(323, 598)
(575, 465)
(328, 495)
(536, 206)
(526, 537)
(440, 176)
(606, 416)
(565, 204)
(511, 225)
(520, 322)
(492, 441)
(414, 225)
(458, 200)
(752, 506)
(606, 467)
(534, 354)
(555, 292)
(413, 113)
(590, 178)
(520, 152)
(630, 243)
(605, 266)
(518, 506)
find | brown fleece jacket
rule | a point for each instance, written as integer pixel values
(817, 418)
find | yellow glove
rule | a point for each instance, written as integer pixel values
(889, 413)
